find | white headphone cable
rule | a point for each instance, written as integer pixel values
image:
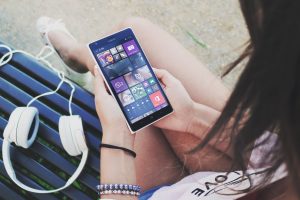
(42, 58)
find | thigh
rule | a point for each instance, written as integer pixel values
(208, 159)
(156, 163)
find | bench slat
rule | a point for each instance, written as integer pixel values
(61, 102)
(58, 161)
(44, 74)
(26, 180)
(9, 194)
(40, 171)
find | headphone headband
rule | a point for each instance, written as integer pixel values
(22, 129)
(11, 173)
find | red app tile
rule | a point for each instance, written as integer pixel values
(157, 98)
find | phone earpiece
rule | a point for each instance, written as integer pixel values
(72, 135)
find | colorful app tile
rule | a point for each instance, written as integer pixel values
(113, 51)
(105, 58)
(138, 91)
(139, 109)
(118, 69)
(126, 97)
(155, 87)
(137, 76)
(119, 48)
(129, 112)
(123, 54)
(157, 98)
(117, 57)
(152, 81)
(119, 84)
(137, 60)
(130, 47)
(146, 84)
(149, 90)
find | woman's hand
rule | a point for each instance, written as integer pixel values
(180, 100)
(115, 130)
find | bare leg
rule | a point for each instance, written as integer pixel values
(74, 54)
(164, 51)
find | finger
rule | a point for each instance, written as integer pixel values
(99, 84)
(165, 77)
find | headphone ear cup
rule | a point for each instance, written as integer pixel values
(22, 126)
(10, 129)
(78, 133)
(72, 135)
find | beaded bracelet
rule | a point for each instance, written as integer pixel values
(123, 189)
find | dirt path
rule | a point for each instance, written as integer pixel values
(216, 23)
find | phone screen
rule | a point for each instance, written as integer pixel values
(131, 78)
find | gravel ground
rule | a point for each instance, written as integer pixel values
(216, 23)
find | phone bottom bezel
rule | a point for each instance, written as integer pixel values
(147, 121)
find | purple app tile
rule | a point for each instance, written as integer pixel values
(131, 47)
(119, 84)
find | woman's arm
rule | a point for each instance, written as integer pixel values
(203, 119)
(189, 117)
(117, 166)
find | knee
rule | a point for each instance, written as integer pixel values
(136, 23)
(70, 55)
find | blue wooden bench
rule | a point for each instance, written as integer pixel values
(46, 164)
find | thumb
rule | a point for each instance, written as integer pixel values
(165, 77)
(99, 84)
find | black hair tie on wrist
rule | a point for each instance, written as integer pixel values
(109, 146)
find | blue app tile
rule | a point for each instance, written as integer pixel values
(149, 90)
(137, 60)
(118, 69)
(155, 87)
(139, 108)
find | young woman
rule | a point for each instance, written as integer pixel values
(221, 129)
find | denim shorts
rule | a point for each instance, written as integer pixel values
(147, 194)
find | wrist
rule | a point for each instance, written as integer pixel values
(203, 118)
(118, 136)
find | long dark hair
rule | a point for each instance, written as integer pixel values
(267, 94)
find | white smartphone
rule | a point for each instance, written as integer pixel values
(130, 79)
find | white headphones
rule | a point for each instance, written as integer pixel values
(22, 128)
